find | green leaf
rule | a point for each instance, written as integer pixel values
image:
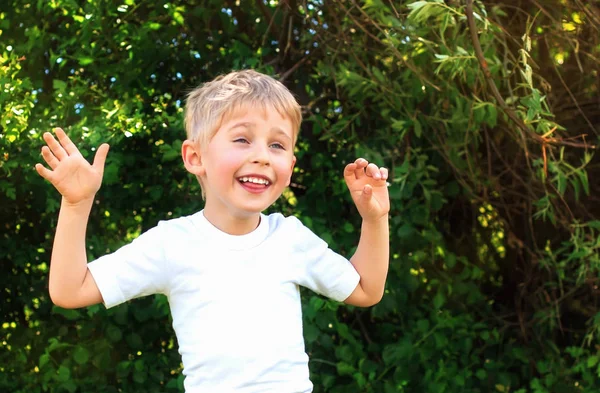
(399, 125)
(418, 129)
(345, 368)
(63, 374)
(139, 365)
(111, 173)
(423, 325)
(311, 333)
(439, 300)
(69, 314)
(378, 74)
(405, 231)
(81, 355)
(594, 224)
(140, 376)
(492, 115)
(344, 353)
(10, 192)
(85, 60)
(44, 359)
(114, 333)
(417, 5)
(481, 374)
(561, 183)
(584, 181)
(135, 341)
(59, 85)
(55, 344)
(69, 386)
(178, 18)
(348, 227)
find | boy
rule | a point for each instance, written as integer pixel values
(231, 274)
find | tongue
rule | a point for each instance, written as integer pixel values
(253, 186)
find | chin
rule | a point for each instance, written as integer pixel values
(248, 211)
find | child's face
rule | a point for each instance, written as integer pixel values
(248, 163)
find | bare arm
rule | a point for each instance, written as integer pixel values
(371, 261)
(71, 284)
(368, 186)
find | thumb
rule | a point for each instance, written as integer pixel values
(100, 157)
(366, 194)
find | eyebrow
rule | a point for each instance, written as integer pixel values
(247, 124)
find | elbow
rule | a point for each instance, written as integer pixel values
(59, 299)
(375, 298)
(373, 301)
(360, 298)
(378, 299)
(369, 301)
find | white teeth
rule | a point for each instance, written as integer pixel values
(254, 180)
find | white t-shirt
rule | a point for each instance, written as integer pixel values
(235, 300)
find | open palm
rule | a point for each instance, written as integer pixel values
(70, 173)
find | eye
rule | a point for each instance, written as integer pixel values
(241, 140)
(278, 145)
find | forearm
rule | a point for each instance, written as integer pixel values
(371, 259)
(68, 265)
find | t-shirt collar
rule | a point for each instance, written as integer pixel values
(232, 242)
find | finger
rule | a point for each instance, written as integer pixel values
(361, 164)
(373, 171)
(44, 172)
(349, 170)
(49, 157)
(366, 194)
(55, 147)
(66, 142)
(100, 157)
(384, 173)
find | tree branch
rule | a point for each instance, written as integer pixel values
(525, 131)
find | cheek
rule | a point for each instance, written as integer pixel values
(284, 168)
(225, 166)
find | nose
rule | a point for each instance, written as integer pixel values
(260, 154)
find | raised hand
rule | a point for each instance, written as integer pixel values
(70, 173)
(368, 186)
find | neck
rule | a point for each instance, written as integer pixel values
(233, 225)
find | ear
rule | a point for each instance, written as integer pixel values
(292, 170)
(192, 158)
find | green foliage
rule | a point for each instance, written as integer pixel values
(494, 227)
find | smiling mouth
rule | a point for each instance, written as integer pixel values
(249, 180)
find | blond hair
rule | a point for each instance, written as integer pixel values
(208, 105)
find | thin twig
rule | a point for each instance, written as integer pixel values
(378, 40)
(363, 329)
(525, 131)
(271, 18)
(571, 93)
(286, 74)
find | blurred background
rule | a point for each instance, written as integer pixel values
(487, 115)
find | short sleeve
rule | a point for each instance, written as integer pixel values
(321, 269)
(136, 269)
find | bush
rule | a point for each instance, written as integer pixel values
(494, 229)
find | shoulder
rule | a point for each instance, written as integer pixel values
(174, 228)
(291, 231)
(280, 223)
(179, 223)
